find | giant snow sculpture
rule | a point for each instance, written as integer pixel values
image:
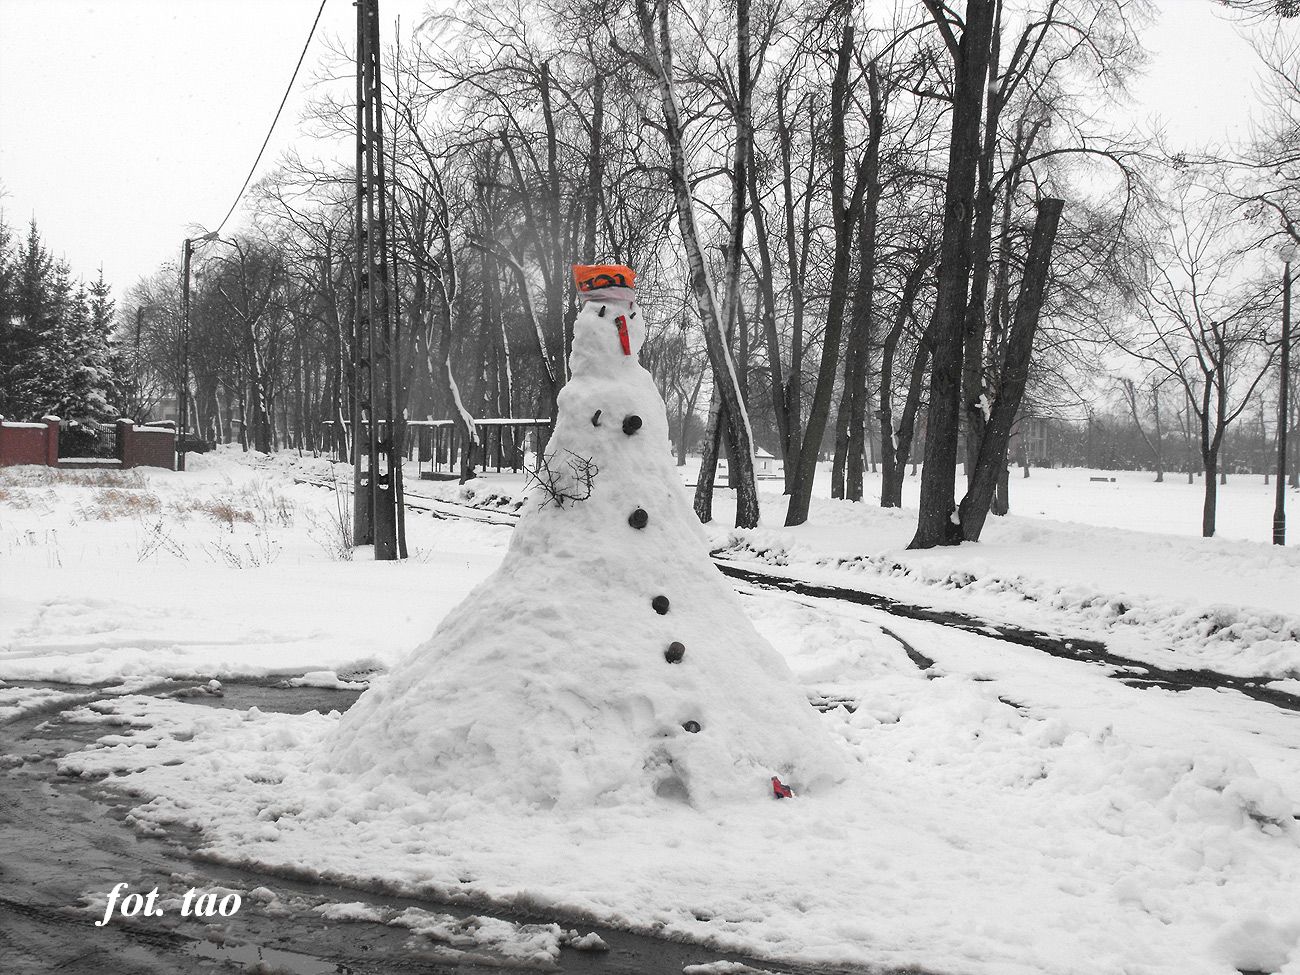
(606, 660)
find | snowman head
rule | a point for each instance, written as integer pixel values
(609, 325)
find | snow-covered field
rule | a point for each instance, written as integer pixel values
(1006, 811)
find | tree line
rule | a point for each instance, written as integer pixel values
(865, 235)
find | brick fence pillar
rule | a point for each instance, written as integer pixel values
(123, 451)
(51, 440)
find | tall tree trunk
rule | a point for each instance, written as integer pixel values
(595, 157)
(935, 522)
(1209, 507)
(991, 464)
(1160, 436)
(796, 264)
(843, 216)
(864, 293)
(890, 466)
(841, 454)
(771, 338)
(975, 387)
(891, 488)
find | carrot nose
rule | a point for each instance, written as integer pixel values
(621, 322)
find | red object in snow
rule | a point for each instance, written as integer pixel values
(621, 322)
(781, 791)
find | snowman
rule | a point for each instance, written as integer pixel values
(607, 660)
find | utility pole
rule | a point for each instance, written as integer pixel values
(1288, 254)
(183, 390)
(377, 516)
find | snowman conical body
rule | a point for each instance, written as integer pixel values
(606, 660)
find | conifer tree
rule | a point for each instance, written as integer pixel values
(55, 353)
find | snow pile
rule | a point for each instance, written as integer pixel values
(17, 701)
(607, 659)
(474, 938)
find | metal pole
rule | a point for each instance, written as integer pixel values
(183, 393)
(362, 526)
(378, 470)
(386, 461)
(1283, 413)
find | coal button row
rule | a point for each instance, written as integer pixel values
(638, 519)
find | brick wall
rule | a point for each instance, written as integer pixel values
(29, 443)
(146, 446)
(38, 443)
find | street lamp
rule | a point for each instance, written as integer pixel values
(1287, 253)
(183, 394)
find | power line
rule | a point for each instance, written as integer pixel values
(247, 179)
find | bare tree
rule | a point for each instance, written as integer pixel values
(1203, 326)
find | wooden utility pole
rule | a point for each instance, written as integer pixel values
(377, 516)
(183, 387)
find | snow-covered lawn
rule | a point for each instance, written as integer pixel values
(1007, 812)
(229, 569)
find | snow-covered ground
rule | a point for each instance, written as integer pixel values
(1120, 562)
(1007, 812)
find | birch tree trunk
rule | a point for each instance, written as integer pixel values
(658, 55)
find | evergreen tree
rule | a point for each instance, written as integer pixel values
(88, 386)
(55, 352)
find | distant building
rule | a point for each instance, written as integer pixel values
(765, 465)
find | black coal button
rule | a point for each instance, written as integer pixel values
(692, 726)
(659, 604)
(631, 424)
(675, 652)
(638, 518)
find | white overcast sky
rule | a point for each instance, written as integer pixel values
(125, 124)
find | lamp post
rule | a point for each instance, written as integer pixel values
(1287, 253)
(183, 393)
